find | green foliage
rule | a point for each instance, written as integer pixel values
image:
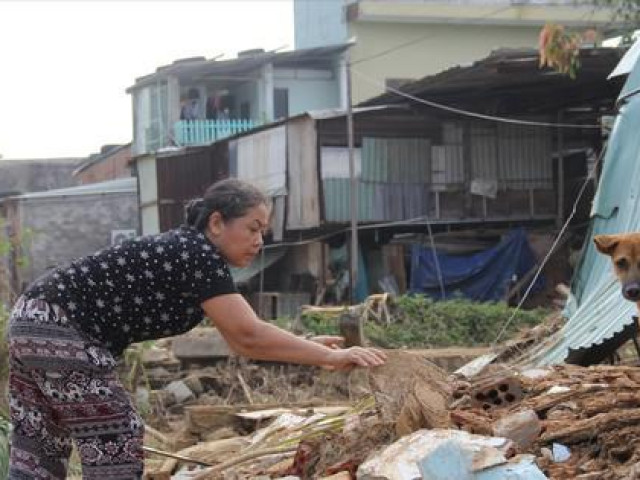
(15, 247)
(4, 352)
(420, 322)
(4, 445)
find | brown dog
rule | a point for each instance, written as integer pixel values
(624, 250)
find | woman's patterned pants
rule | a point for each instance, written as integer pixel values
(63, 388)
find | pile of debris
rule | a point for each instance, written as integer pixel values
(408, 419)
(579, 422)
(348, 416)
(200, 401)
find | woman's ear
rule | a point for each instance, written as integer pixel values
(215, 224)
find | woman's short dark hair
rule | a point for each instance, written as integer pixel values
(232, 198)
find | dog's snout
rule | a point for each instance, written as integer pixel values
(631, 291)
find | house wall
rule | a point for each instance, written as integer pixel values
(22, 176)
(446, 170)
(109, 168)
(64, 228)
(319, 23)
(414, 35)
(150, 118)
(148, 194)
(303, 199)
(141, 120)
(168, 181)
(309, 89)
(248, 92)
(463, 44)
(184, 176)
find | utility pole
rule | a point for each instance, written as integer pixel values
(353, 190)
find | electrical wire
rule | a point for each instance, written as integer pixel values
(471, 114)
(419, 39)
(551, 250)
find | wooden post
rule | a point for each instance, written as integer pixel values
(560, 214)
(467, 165)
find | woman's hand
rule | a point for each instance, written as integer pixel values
(355, 357)
(331, 341)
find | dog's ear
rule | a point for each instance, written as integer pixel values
(606, 243)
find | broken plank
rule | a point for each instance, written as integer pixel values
(589, 428)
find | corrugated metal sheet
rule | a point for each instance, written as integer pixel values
(524, 157)
(334, 162)
(337, 201)
(405, 160)
(625, 66)
(484, 152)
(447, 166)
(303, 208)
(452, 133)
(184, 176)
(596, 309)
(120, 185)
(261, 158)
(377, 201)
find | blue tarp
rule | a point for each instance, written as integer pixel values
(484, 276)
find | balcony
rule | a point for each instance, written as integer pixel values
(205, 132)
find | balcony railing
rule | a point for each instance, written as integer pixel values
(204, 132)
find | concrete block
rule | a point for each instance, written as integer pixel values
(399, 461)
(181, 392)
(522, 427)
(200, 344)
(452, 460)
(490, 393)
(194, 384)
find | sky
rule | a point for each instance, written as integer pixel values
(65, 65)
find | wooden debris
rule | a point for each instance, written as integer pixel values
(593, 411)
(175, 456)
(212, 473)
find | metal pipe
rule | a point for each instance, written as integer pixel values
(353, 191)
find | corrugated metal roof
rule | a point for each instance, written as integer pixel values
(120, 185)
(596, 309)
(238, 66)
(515, 74)
(93, 159)
(628, 61)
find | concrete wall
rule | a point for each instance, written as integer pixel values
(463, 44)
(148, 185)
(309, 89)
(247, 92)
(65, 228)
(318, 23)
(25, 176)
(410, 39)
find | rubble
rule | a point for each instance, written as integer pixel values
(589, 420)
(523, 427)
(200, 344)
(273, 421)
(400, 461)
